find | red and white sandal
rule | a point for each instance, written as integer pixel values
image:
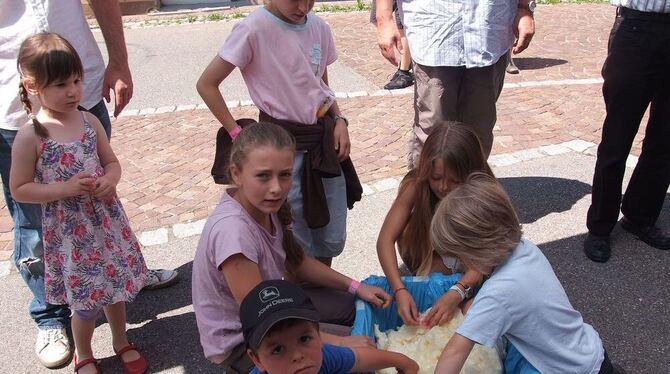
(138, 366)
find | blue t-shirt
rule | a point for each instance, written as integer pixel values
(336, 360)
(524, 301)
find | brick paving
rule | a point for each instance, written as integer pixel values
(166, 158)
(570, 43)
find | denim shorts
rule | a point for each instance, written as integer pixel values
(327, 241)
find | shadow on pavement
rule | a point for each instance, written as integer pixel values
(149, 304)
(168, 334)
(535, 63)
(536, 197)
(625, 299)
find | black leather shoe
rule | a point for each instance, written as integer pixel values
(597, 248)
(651, 235)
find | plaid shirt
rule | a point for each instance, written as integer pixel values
(655, 6)
(458, 32)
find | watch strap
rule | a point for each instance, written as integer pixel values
(346, 121)
(458, 290)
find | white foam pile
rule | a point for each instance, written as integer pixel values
(425, 346)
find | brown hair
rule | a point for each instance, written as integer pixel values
(45, 58)
(461, 152)
(267, 134)
(476, 223)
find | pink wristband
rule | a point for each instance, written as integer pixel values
(234, 132)
(353, 286)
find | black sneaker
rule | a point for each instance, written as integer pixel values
(401, 79)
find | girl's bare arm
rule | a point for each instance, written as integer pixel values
(208, 88)
(393, 226)
(241, 274)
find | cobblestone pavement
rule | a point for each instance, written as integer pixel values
(166, 157)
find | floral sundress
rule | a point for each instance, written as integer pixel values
(91, 256)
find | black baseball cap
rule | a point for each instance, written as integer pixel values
(270, 302)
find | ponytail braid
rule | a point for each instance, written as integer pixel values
(294, 252)
(40, 130)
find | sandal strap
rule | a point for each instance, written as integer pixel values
(87, 361)
(130, 347)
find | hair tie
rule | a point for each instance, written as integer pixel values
(32, 116)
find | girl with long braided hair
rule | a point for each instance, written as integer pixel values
(248, 239)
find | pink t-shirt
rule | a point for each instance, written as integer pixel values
(229, 231)
(283, 63)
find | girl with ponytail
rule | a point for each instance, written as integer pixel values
(248, 239)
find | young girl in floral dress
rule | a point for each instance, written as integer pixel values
(63, 160)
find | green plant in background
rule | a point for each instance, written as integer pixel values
(215, 17)
(191, 19)
(237, 15)
(361, 5)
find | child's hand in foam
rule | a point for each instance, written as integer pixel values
(442, 311)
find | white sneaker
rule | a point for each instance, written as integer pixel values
(53, 347)
(161, 278)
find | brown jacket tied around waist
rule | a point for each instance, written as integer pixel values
(320, 161)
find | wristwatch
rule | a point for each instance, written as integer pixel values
(530, 7)
(467, 290)
(339, 116)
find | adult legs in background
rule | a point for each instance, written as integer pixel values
(52, 346)
(448, 93)
(511, 67)
(635, 74)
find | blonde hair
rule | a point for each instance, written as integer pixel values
(476, 223)
(45, 58)
(263, 134)
(461, 152)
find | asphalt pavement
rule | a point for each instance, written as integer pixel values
(625, 299)
(157, 54)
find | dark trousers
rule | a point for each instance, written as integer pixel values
(636, 74)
